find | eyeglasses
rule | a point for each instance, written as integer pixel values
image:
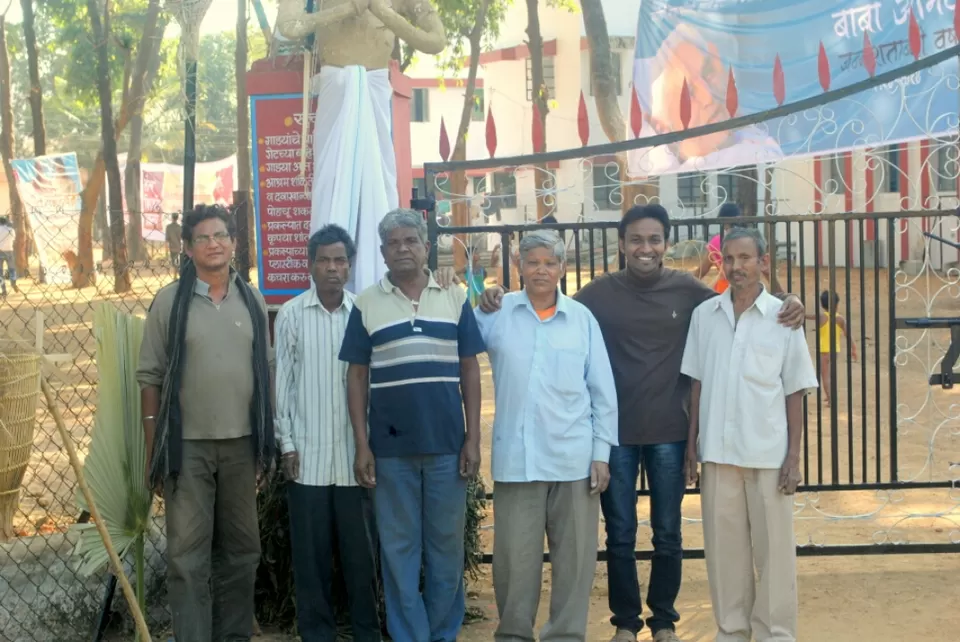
(205, 239)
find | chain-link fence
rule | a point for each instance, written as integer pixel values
(41, 595)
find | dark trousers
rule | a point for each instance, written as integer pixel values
(213, 542)
(317, 515)
(663, 464)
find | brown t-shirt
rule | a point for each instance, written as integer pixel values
(644, 325)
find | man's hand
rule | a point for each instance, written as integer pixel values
(470, 458)
(290, 463)
(491, 299)
(792, 313)
(599, 477)
(364, 467)
(690, 467)
(790, 476)
(265, 476)
(446, 277)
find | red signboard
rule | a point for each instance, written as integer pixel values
(281, 196)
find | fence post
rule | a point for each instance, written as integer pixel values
(241, 205)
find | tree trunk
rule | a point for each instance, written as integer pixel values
(36, 95)
(244, 165)
(7, 137)
(540, 98)
(606, 99)
(458, 182)
(84, 274)
(131, 176)
(109, 152)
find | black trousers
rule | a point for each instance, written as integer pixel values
(317, 515)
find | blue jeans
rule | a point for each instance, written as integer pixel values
(663, 464)
(420, 505)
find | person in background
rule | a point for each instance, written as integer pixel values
(555, 423)
(412, 347)
(644, 312)
(7, 260)
(829, 302)
(749, 375)
(172, 236)
(205, 373)
(316, 441)
(712, 256)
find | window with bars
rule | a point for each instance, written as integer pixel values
(948, 165)
(616, 60)
(548, 77)
(606, 183)
(726, 187)
(690, 191)
(834, 174)
(478, 112)
(504, 190)
(420, 106)
(888, 169)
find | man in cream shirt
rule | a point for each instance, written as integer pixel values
(746, 418)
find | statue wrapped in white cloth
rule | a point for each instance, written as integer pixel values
(354, 166)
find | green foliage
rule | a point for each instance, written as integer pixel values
(275, 595)
(459, 17)
(116, 465)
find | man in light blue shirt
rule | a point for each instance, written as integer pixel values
(555, 423)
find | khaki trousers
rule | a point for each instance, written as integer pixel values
(747, 523)
(570, 516)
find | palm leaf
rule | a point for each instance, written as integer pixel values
(114, 468)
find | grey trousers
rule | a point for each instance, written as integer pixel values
(570, 516)
(213, 541)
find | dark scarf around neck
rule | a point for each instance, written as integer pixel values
(168, 438)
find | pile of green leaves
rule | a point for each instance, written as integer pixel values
(275, 593)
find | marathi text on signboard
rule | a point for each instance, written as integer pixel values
(281, 195)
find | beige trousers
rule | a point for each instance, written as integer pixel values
(747, 523)
(570, 516)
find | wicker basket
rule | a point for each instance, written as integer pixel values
(19, 393)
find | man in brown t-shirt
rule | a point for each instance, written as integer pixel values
(644, 313)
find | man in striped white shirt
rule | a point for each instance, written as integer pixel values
(316, 439)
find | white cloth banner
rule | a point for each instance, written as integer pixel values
(354, 163)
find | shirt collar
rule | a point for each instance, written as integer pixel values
(766, 304)
(313, 300)
(203, 288)
(387, 286)
(562, 303)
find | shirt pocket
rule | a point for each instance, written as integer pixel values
(763, 363)
(567, 362)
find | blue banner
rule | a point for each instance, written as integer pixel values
(703, 61)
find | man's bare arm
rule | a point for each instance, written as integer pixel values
(358, 393)
(295, 23)
(417, 24)
(470, 389)
(794, 424)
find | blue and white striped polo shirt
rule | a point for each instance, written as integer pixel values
(414, 358)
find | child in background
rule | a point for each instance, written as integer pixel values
(829, 301)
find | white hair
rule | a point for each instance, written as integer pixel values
(402, 217)
(548, 239)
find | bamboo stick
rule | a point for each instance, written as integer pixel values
(115, 562)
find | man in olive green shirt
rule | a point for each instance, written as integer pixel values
(205, 371)
(172, 237)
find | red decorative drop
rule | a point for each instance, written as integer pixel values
(779, 86)
(685, 104)
(823, 68)
(916, 44)
(733, 99)
(583, 121)
(636, 114)
(537, 131)
(869, 58)
(956, 21)
(491, 132)
(444, 141)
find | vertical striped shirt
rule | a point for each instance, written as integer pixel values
(312, 415)
(414, 353)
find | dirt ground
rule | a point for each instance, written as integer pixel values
(862, 599)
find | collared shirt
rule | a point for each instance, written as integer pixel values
(312, 414)
(414, 357)
(747, 368)
(555, 396)
(217, 384)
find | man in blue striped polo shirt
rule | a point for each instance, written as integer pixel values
(412, 348)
